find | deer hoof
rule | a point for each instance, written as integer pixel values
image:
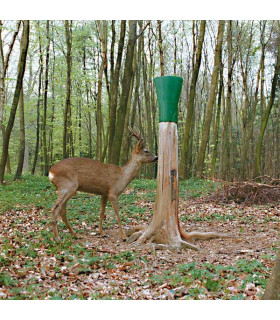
(124, 238)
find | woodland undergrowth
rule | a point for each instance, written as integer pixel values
(34, 266)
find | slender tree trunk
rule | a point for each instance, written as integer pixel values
(99, 114)
(103, 34)
(50, 148)
(210, 104)
(217, 123)
(8, 164)
(126, 83)
(249, 131)
(175, 48)
(38, 108)
(226, 165)
(44, 122)
(266, 115)
(160, 49)
(4, 63)
(150, 169)
(125, 140)
(114, 92)
(88, 105)
(184, 167)
(21, 68)
(67, 111)
(21, 137)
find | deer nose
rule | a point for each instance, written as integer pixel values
(156, 159)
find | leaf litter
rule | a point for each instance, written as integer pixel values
(34, 266)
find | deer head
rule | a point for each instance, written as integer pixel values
(144, 155)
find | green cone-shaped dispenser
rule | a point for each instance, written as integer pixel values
(168, 89)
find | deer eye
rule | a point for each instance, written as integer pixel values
(146, 151)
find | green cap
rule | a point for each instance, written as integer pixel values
(168, 89)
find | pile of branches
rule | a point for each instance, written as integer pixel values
(249, 192)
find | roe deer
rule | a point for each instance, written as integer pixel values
(92, 176)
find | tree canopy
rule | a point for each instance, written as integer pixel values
(86, 81)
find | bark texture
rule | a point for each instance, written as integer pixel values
(210, 103)
(21, 137)
(272, 291)
(165, 229)
(266, 114)
(184, 164)
(21, 68)
(126, 84)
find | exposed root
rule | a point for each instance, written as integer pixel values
(185, 244)
(178, 246)
(157, 237)
(134, 229)
(204, 235)
(134, 236)
(159, 241)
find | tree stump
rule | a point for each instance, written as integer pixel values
(165, 227)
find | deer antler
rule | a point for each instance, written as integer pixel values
(134, 134)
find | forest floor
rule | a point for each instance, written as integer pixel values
(34, 266)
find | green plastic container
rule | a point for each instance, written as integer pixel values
(168, 89)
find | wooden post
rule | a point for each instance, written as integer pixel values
(168, 91)
(164, 228)
(165, 216)
(167, 199)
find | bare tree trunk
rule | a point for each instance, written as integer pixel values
(217, 123)
(8, 164)
(4, 63)
(226, 165)
(184, 164)
(150, 169)
(21, 68)
(210, 104)
(99, 114)
(165, 228)
(125, 140)
(114, 92)
(272, 291)
(21, 137)
(126, 83)
(266, 115)
(103, 34)
(165, 216)
(67, 111)
(44, 122)
(50, 148)
(175, 48)
(88, 105)
(160, 49)
(38, 108)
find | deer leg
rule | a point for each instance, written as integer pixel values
(104, 199)
(114, 201)
(65, 220)
(63, 196)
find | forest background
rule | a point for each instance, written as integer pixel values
(84, 82)
(206, 10)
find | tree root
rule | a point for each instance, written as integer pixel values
(159, 242)
(194, 235)
(178, 246)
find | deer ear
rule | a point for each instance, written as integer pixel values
(140, 145)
